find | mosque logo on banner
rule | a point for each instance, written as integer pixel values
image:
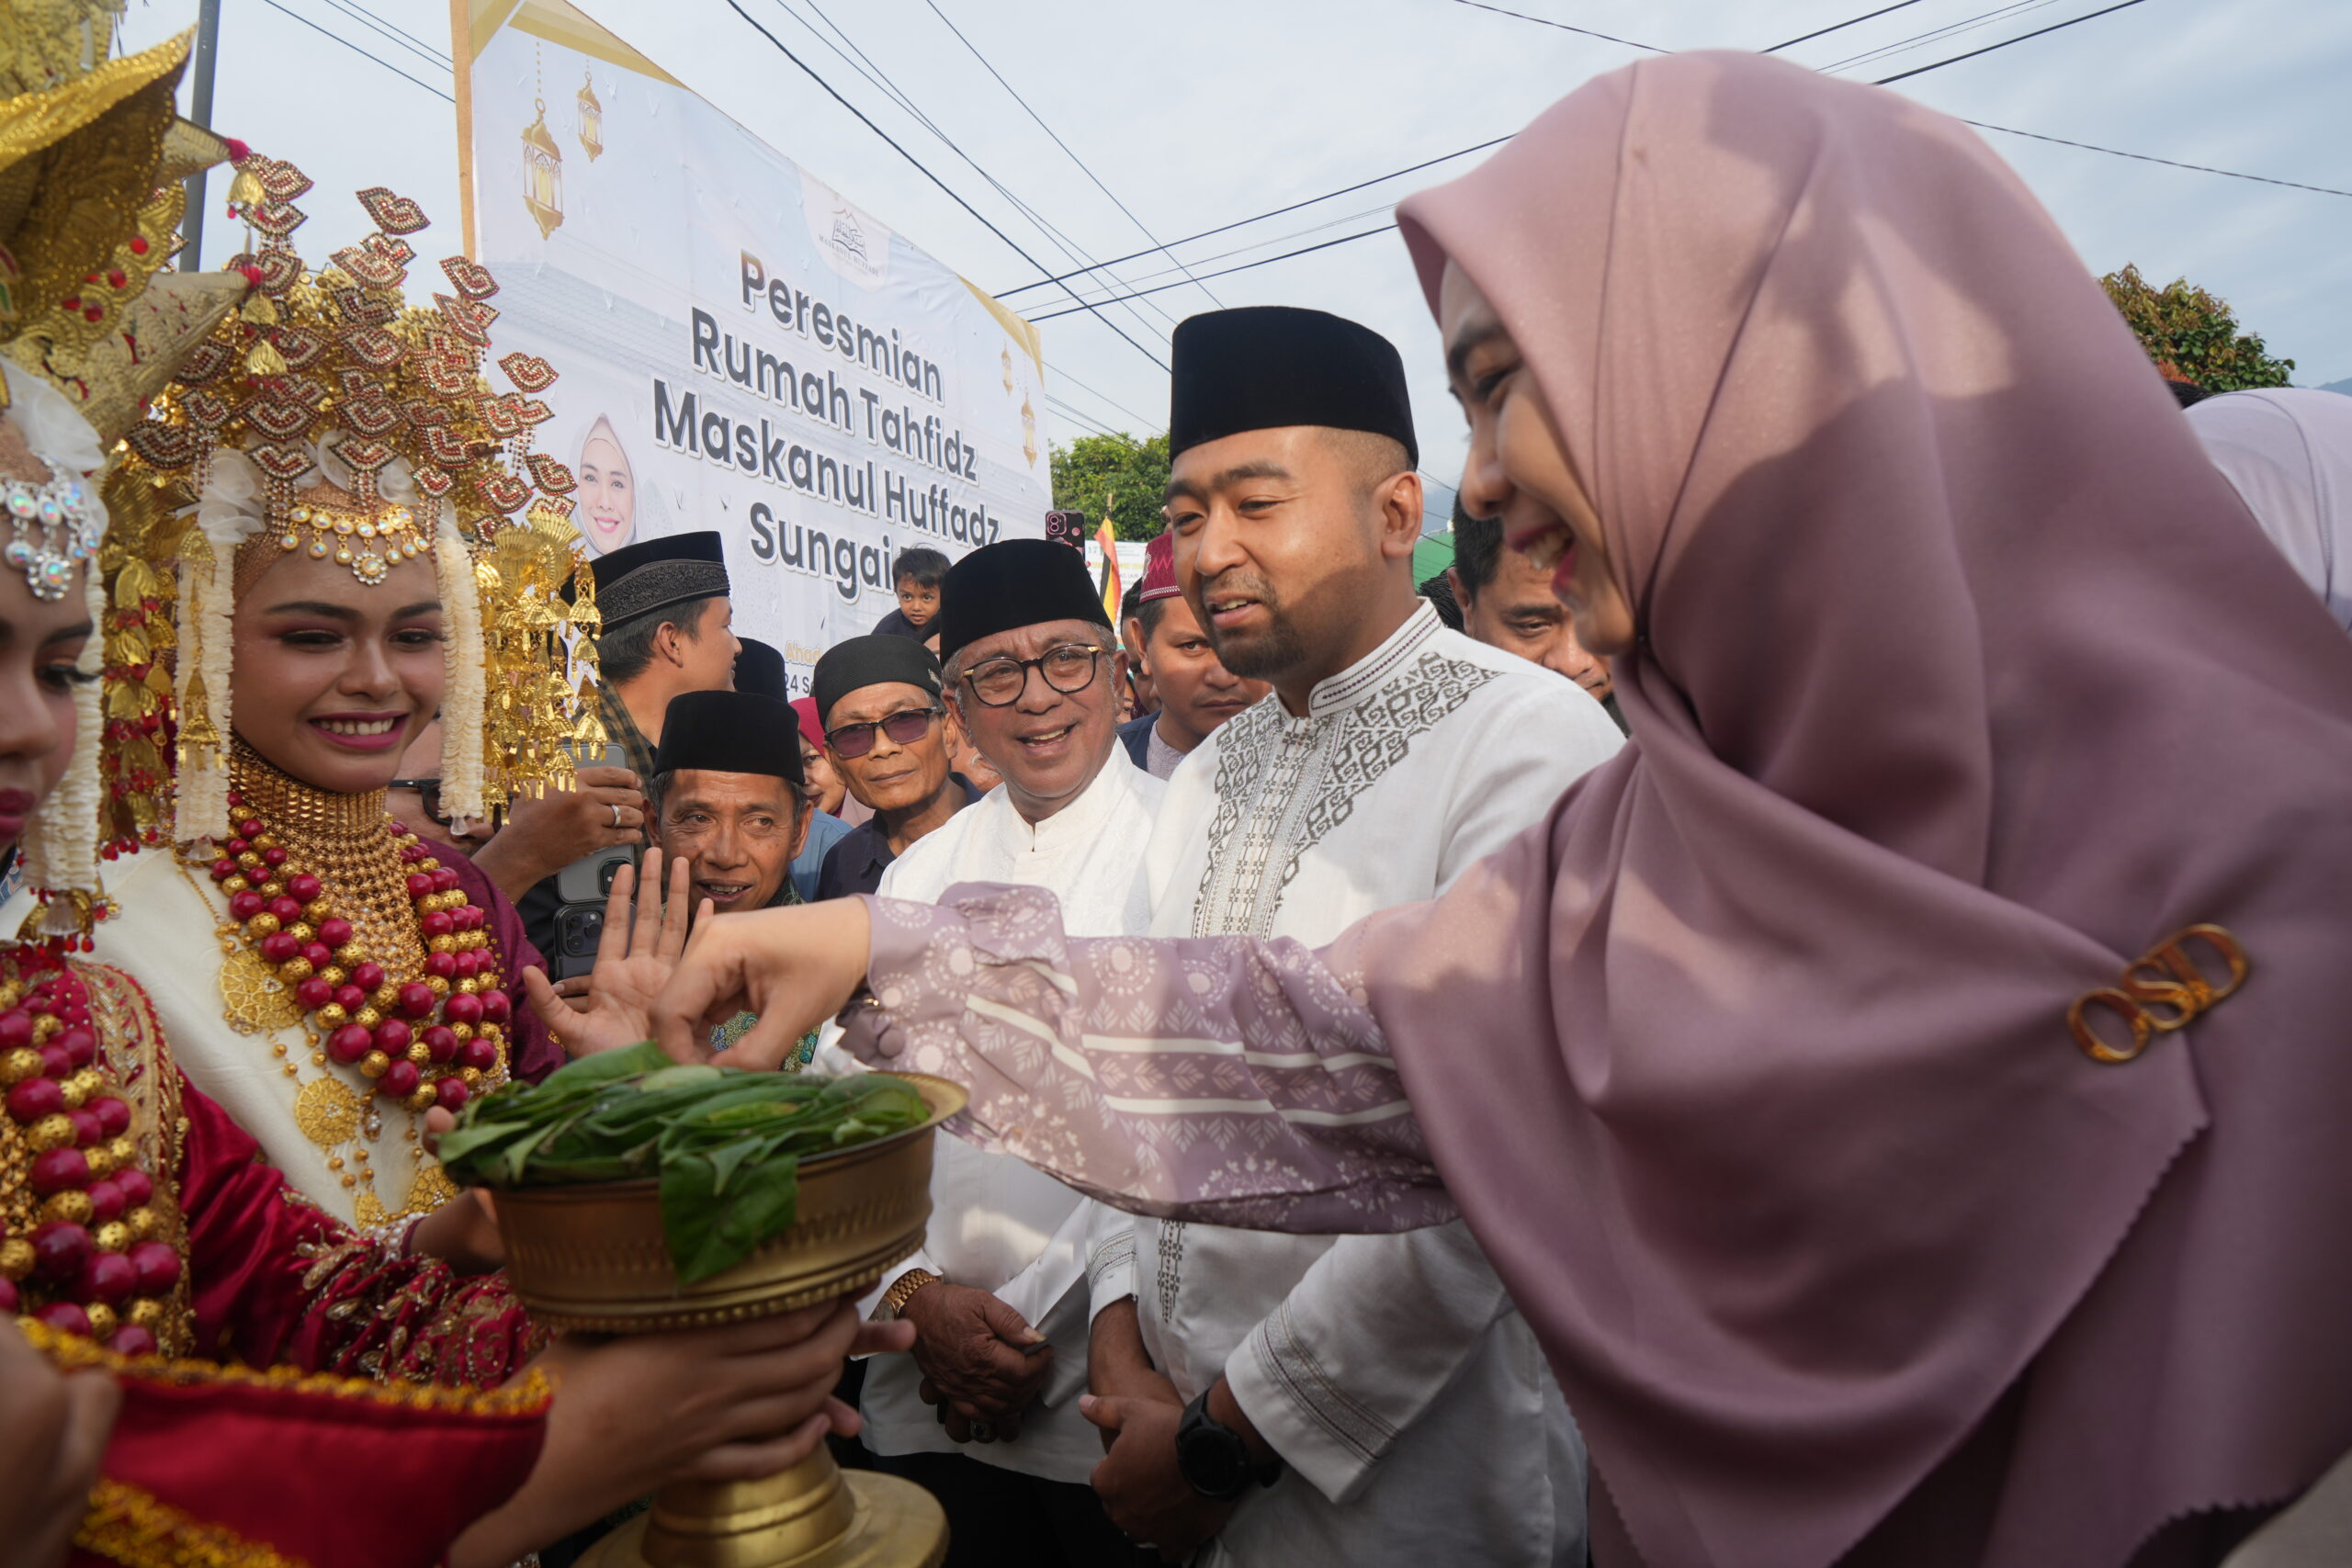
(808, 383)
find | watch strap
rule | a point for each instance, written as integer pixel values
(894, 1300)
(1197, 1427)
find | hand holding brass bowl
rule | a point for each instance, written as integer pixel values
(593, 1258)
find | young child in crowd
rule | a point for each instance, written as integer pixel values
(917, 573)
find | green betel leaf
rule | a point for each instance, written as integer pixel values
(722, 1143)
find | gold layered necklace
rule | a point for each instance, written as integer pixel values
(359, 936)
(343, 839)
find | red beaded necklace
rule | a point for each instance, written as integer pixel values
(423, 1042)
(95, 1262)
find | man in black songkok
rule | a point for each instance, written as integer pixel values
(665, 630)
(877, 697)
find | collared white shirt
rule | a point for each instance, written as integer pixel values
(996, 1224)
(1405, 1394)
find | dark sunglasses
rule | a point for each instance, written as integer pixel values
(428, 791)
(904, 729)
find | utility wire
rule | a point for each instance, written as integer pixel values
(1934, 35)
(1837, 27)
(1141, 226)
(1277, 212)
(2085, 146)
(407, 41)
(2054, 27)
(1563, 27)
(1060, 239)
(1284, 238)
(863, 119)
(1980, 125)
(867, 66)
(1076, 417)
(1227, 272)
(444, 97)
(1061, 374)
(2167, 163)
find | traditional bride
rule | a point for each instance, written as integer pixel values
(140, 1235)
(309, 529)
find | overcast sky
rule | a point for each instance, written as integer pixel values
(1200, 113)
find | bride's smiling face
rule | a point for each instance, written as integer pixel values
(332, 679)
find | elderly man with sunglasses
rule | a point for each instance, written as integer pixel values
(885, 734)
(985, 1413)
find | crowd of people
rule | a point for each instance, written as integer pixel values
(1776, 1014)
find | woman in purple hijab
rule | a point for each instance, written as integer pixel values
(1906, 1088)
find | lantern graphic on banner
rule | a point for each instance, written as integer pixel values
(1006, 354)
(1028, 431)
(542, 173)
(592, 115)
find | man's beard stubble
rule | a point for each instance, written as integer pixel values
(1260, 657)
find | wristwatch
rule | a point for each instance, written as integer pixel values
(1214, 1458)
(905, 1285)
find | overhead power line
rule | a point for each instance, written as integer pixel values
(1980, 125)
(1563, 27)
(1837, 27)
(778, 44)
(1277, 212)
(2167, 163)
(444, 97)
(1227, 272)
(1141, 226)
(2038, 32)
(1934, 35)
(406, 39)
(865, 66)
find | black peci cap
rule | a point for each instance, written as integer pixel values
(1266, 366)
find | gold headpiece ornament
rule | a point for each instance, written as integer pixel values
(330, 415)
(91, 159)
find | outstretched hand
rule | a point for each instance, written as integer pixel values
(794, 967)
(636, 953)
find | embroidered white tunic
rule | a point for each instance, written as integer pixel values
(996, 1224)
(1407, 1397)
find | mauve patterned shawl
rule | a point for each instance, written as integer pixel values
(1966, 680)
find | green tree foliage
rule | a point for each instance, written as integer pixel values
(1134, 473)
(2188, 331)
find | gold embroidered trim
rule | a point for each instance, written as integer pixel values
(530, 1394)
(133, 1527)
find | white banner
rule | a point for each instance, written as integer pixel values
(740, 347)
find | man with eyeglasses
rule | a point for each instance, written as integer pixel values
(985, 1412)
(885, 735)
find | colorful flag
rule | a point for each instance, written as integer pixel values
(1109, 541)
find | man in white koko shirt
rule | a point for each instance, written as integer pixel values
(1359, 1400)
(985, 1412)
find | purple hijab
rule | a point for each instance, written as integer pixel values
(1964, 681)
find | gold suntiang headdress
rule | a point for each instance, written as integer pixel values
(91, 159)
(331, 416)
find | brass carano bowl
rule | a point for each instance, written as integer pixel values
(594, 1258)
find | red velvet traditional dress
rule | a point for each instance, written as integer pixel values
(144, 1236)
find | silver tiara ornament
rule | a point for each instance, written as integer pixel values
(53, 529)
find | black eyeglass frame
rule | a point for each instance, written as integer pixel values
(867, 727)
(1094, 658)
